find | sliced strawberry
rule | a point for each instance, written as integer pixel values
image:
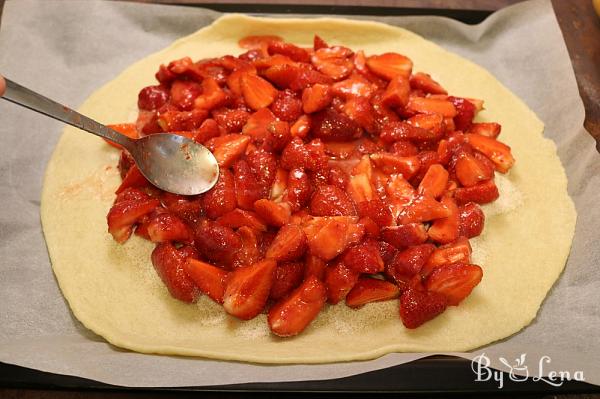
(228, 148)
(283, 75)
(208, 278)
(498, 152)
(470, 170)
(339, 280)
(364, 257)
(397, 92)
(259, 124)
(293, 314)
(234, 80)
(455, 281)
(254, 42)
(123, 215)
(314, 266)
(427, 105)
(418, 307)
(152, 98)
(289, 244)
(465, 112)
(482, 193)
(299, 189)
(331, 201)
(395, 131)
(167, 227)
(288, 276)
(446, 230)
(274, 214)
(421, 209)
(133, 178)
(221, 198)
(306, 77)
(390, 163)
(403, 148)
(212, 95)
(217, 243)
(231, 120)
(319, 43)
(247, 289)
(329, 236)
(423, 81)
(258, 93)
(472, 220)
(390, 65)
(127, 129)
(309, 156)
(316, 98)
(434, 182)
(250, 251)
(360, 188)
(287, 106)
(183, 93)
(360, 110)
(263, 165)
(433, 123)
(239, 217)
(333, 61)
(376, 210)
(404, 235)
(207, 130)
(247, 188)
(330, 125)
(294, 52)
(408, 263)
(368, 290)
(301, 127)
(458, 251)
(279, 186)
(169, 264)
(130, 194)
(488, 129)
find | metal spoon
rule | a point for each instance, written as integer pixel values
(171, 162)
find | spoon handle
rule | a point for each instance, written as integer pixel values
(29, 99)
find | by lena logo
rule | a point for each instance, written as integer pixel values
(519, 371)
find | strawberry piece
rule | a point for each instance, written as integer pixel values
(376, 210)
(434, 182)
(408, 263)
(368, 290)
(433, 123)
(247, 289)
(491, 129)
(390, 164)
(339, 280)
(470, 170)
(309, 156)
(293, 314)
(221, 198)
(258, 42)
(482, 193)
(314, 266)
(130, 194)
(371, 228)
(289, 244)
(123, 215)
(171, 120)
(455, 281)
(183, 93)
(168, 227)
(333, 62)
(207, 130)
(330, 125)
(247, 188)
(458, 251)
(231, 120)
(472, 219)
(272, 213)
(387, 251)
(188, 211)
(260, 125)
(360, 110)
(152, 98)
(353, 87)
(360, 188)
(169, 262)
(216, 242)
(258, 93)
(418, 307)
(234, 80)
(283, 75)
(390, 65)
(299, 189)
(341, 149)
(331, 201)
(301, 127)
(239, 217)
(250, 251)
(319, 43)
(397, 92)
(287, 106)
(127, 129)
(399, 130)
(306, 77)
(427, 105)
(421, 209)
(208, 278)
(316, 98)
(424, 82)
(133, 178)
(212, 95)
(228, 148)
(403, 148)
(263, 165)
(329, 236)
(404, 235)
(446, 230)
(497, 152)
(288, 276)
(289, 50)
(279, 186)
(364, 257)
(465, 112)
(126, 161)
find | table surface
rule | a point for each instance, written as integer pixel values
(581, 30)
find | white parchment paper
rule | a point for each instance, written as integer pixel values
(67, 49)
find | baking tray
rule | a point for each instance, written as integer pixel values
(428, 375)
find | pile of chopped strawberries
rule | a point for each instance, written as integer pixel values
(343, 177)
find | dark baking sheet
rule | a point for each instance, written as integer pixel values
(428, 375)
